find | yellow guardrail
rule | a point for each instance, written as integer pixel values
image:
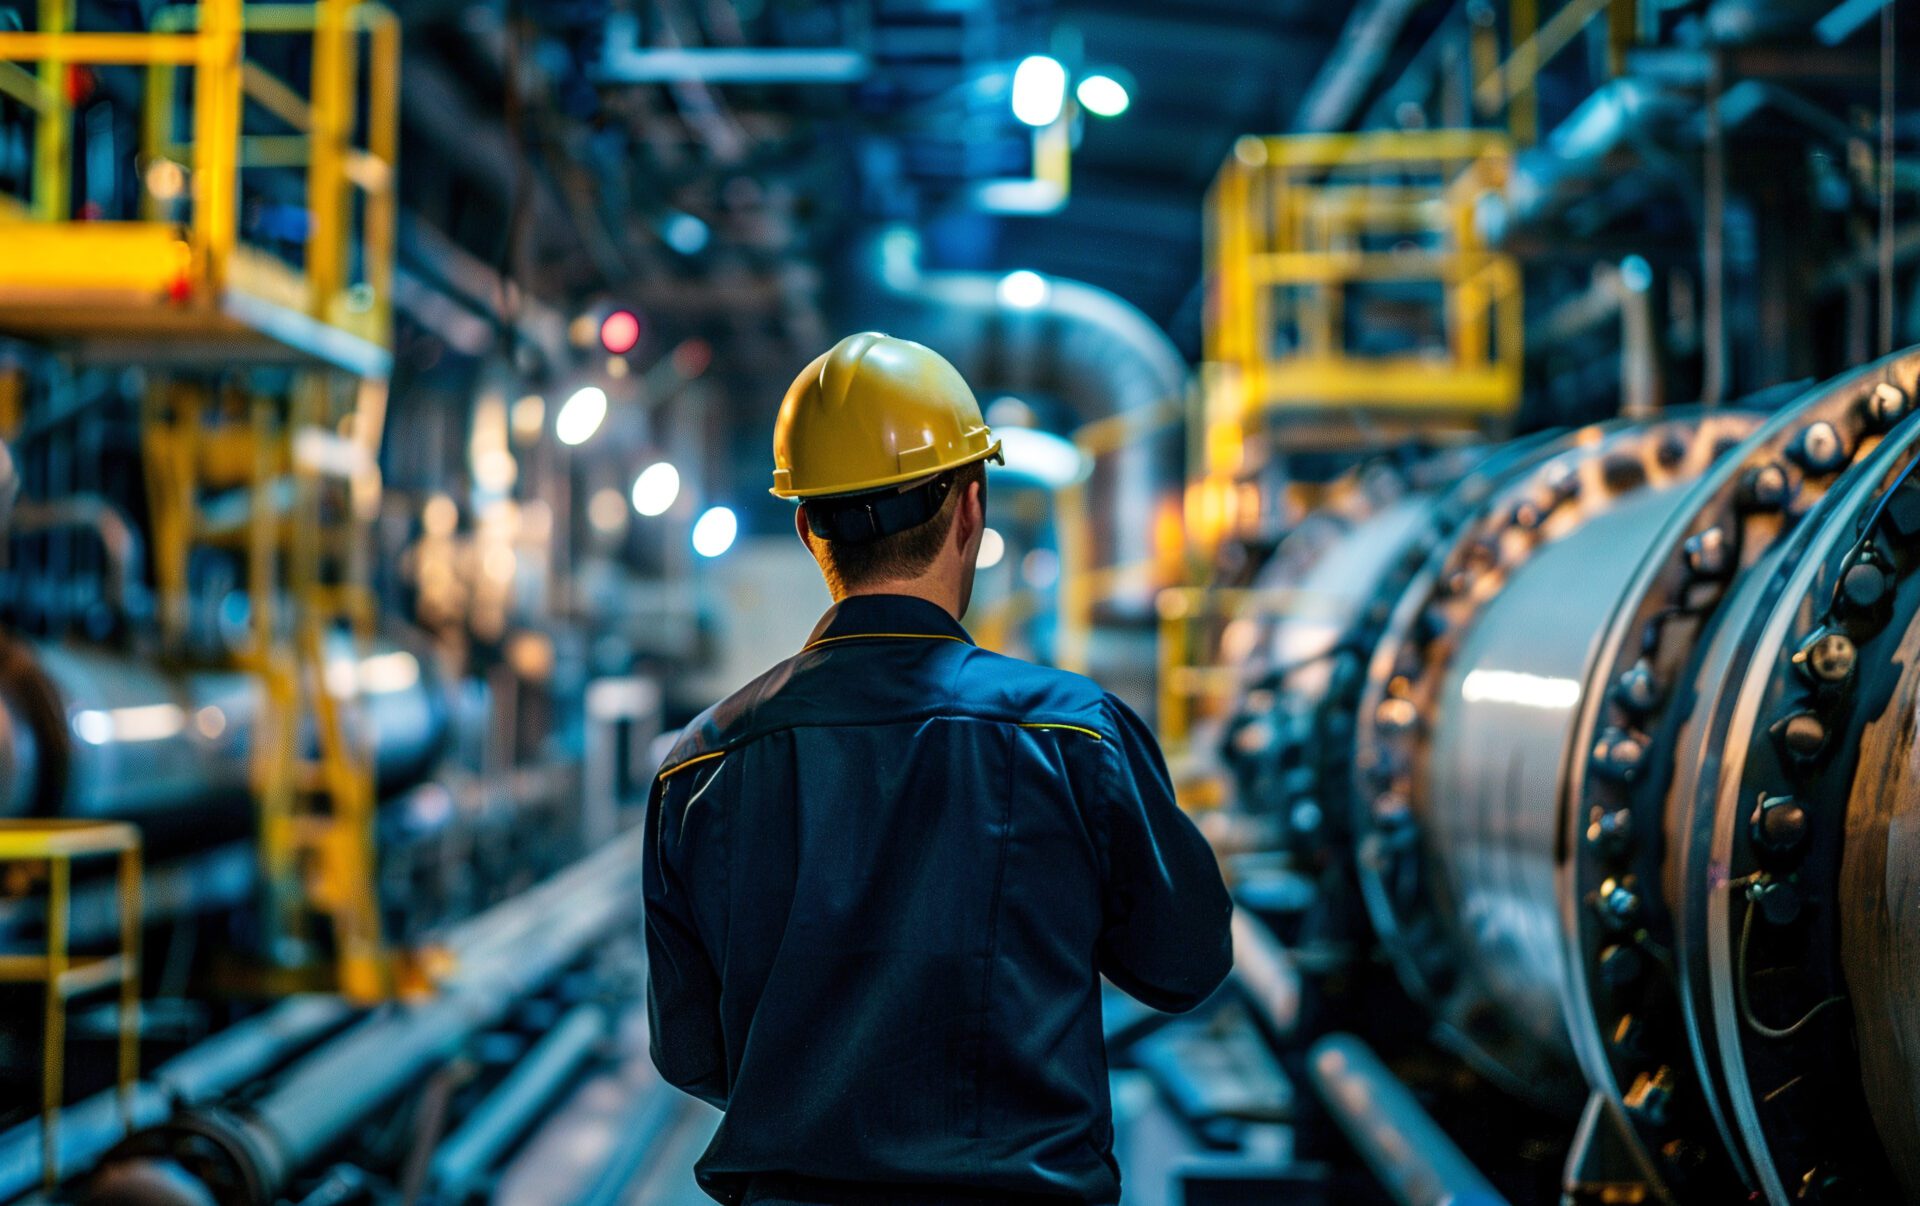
(58, 844)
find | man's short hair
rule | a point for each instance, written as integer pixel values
(850, 567)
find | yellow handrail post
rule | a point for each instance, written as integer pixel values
(53, 121)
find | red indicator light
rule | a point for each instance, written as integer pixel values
(619, 332)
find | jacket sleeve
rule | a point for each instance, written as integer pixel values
(1167, 935)
(683, 991)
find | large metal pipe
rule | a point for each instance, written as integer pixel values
(1633, 773)
(1400, 1142)
(98, 733)
(223, 1063)
(503, 956)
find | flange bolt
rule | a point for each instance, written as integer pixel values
(1778, 824)
(1612, 831)
(1621, 965)
(1618, 754)
(1778, 900)
(1863, 585)
(1617, 903)
(1766, 487)
(1708, 553)
(1637, 688)
(1803, 733)
(1651, 1095)
(1819, 448)
(1887, 404)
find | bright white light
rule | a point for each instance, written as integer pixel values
(1039, 90)
(1023, 290)
(656, 488)
(144, 722)
(992, 548)
(581, 415)
(1103, 96)
(1519, 688)
(713, 533)
(1048, 459)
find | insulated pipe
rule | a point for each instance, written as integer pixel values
(1400, 1143)
(221, 1064)
(503, 956)
(97, 733)
(463, 1161)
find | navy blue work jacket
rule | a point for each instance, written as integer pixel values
(883, 882)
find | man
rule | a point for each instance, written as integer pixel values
(885, 878)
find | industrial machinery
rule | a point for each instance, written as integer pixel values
(1615, 756)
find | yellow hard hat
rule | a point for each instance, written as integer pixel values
(872, 412)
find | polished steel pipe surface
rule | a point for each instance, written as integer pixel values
(1399, 1142)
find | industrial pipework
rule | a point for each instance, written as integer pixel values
(1628, 780)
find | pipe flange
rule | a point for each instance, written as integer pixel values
(217, 1151)
(1631, 1032)
(1583, 474)
(1833, 647)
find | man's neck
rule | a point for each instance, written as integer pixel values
(945, 596)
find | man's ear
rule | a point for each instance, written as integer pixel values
(971, 516)
(800, 528)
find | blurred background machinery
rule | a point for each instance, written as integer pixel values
(1474, 432)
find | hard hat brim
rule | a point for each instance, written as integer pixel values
(880, 483)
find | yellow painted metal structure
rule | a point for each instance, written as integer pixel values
(182, 270)
(55, 845)
(1303, 232)
(1298, 224)
(278, 468)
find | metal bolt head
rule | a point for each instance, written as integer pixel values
(1617, 903)
(1708, 553)
(1620, 965)
(1864, 585)
(1766, 487)
(1802, 733)
(1887, 404)
(1611, 831)
(1902, 516)
(1819, 448)
(1778, 823)
(1637, 689)
(1617, 754)
(1827, 656)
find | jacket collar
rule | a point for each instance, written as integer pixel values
(887, 615)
